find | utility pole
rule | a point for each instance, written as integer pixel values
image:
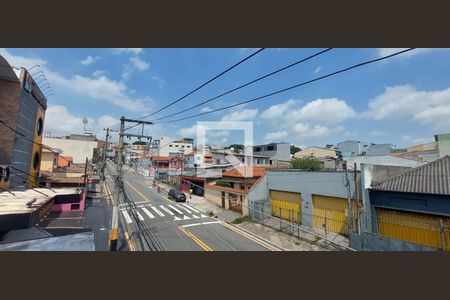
(119, 179)
(357, 196)
(105, 148)
(349, 198)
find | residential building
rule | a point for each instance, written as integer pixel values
(231, 191)
(355, 148)
(22, 114)
(279, 153)
(326, 156)
(50, 160)
(74, 146)
(167, 146)
(165, 168)
(227, 157)
(414, 207)
(423, 152)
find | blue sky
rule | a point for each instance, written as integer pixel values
(404, 100)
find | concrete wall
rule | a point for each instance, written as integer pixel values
(309, 183)
(384, 160)
(379, 149)
(258, 191)
(47, 161)
(78, 150)
(215, 196)
(443, 141)
(353, 147)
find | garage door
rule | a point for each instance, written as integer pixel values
(332, 212)
(416, 228)
(286, 205)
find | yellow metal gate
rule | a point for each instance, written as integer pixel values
(286, 205)
(332, 212)
(416, 228)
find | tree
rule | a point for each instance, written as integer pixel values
(295, 149)
(139, 143)
(307, 163)
(237, 147)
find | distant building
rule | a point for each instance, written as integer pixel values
(315, 152)
(278, 153)
(443, 144)
(79, 147)
(167, 146)
(382, 160)
(356, 148)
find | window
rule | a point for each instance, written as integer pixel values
(39, 126)
(177, 146)
(74, 206)
(36, 161)
(188, 146)
(258, 149)
(270, 162)
(170, 145)
(270, 148)
(364, 145)
(243, 160)
(257, 161)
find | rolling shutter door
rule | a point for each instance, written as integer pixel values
(286, 205)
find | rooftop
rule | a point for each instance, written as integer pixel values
(432, 178)
(258, 171)
(16, 203)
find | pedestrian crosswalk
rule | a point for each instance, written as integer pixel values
(178, 212)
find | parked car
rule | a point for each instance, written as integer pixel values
(177, 195)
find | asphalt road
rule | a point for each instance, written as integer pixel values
(177, 226)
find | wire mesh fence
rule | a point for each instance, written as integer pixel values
(314, 229)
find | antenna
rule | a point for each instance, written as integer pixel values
(85, 122)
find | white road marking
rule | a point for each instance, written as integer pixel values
(191, 208)
(137, 202)
(175, 209)
(167, 210)
(203, 216)
(140, 216)
(195, 217)
(127, 217)
(204, 223)
(182, 207)
(148, 213)
(157, 211)
(176, 219)
(186, 218)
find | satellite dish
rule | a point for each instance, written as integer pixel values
(85, 121)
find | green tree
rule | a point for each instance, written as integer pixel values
(237, 147)
(139, 143)
(307, 163)
(295, 149)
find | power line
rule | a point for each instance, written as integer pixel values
(248, 83)
(294, 86)
(204, 84)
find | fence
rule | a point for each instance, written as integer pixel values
(420, 229)
(297, 224)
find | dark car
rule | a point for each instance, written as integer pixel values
(177, 195)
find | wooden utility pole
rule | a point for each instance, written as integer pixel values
(356, 196)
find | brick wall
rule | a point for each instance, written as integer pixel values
(9, 108)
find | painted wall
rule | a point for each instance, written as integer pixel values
(68, 206)
(326, 183)
(47, 161)
(78, 150)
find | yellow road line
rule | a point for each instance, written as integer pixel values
(130, 243)
(137, 191)
(195, 239)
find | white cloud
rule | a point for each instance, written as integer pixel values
(376, 133)
(53, 121)
(307, 131)
(317, 70)
(89, 60)
(107, 121)
(100, 88)
(205, 109)
(138, 63)
(188, 132)
(159, 81)
(275, 136)
(324, 111)
(134, 51)
(426, 107)
(278, 110)
(241, 115)
(98, 73)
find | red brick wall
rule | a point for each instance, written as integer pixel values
(9, 107)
